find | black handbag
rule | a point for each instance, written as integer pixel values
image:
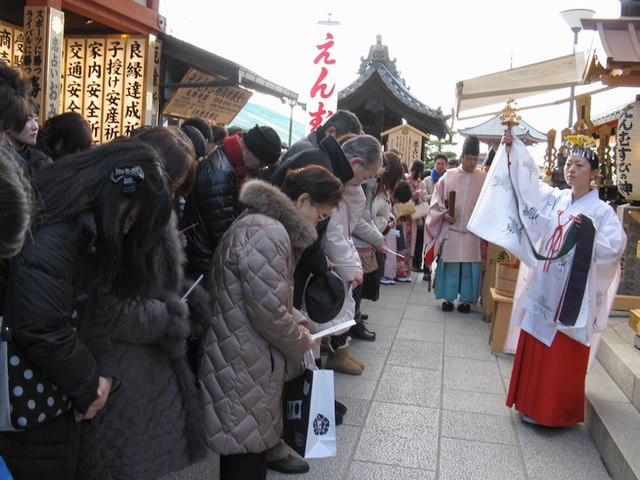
(27, 397)
(324, 296)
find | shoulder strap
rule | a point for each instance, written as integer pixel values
(6, 331)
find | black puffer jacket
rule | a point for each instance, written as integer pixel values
(41, 299)
(211, 207)
(152, 425)
(310, 141)
(328, 154)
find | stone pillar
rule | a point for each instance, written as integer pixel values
(152, 82)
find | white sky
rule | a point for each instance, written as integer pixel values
(436, 44)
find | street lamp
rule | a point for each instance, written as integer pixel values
(572, 18)
(292, 103)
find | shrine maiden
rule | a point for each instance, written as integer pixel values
(567, 282)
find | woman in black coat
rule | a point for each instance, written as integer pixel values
(152, 425)
(101, 214)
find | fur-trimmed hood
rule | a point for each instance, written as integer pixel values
(262, 197)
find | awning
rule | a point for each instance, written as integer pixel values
(620, 55)
(253, 113)
(180, 56)
(534, 79)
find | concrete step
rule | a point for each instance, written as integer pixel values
(620, 359)
(612, 413)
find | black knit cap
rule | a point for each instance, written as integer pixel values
(198, 140)
(264, 143)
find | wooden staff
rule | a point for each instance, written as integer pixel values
(452, 203)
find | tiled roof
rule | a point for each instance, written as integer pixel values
(395, 85)
(492, 130)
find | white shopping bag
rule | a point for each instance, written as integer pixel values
(309, 414)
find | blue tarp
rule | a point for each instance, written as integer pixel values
(253, 114)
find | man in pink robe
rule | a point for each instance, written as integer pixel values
(459, 267)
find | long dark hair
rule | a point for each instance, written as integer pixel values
(112, 181)
(177, 152)
(417, 169)
(15, 90)
(64, 134)
(391, 174)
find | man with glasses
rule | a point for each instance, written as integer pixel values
(364, 154)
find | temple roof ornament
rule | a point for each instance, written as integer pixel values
(378, 54)
(379, 88)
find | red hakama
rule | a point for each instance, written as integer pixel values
(547, 383)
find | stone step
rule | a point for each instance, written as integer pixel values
(611, 416)
(613, 423)
(620, 359)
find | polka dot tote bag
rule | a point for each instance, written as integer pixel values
(27, 397)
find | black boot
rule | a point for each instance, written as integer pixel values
(360, 331)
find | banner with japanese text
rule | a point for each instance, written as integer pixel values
(105, 80)
(42, 57)
(11, 43)
(321, 96)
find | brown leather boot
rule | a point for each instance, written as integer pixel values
(340, 361)
(354, 359)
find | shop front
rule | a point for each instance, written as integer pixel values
(111, 61)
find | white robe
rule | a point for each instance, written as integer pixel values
(338, 246)
(539, 293)
(454, 243)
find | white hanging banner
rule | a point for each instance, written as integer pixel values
(628, 152)
(322, 93)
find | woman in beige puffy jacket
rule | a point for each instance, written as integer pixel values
(254, 325)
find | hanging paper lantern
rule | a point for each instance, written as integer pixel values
(628, 152)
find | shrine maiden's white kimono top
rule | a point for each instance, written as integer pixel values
(539, 213)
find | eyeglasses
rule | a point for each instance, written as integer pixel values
(324, 216)
(366, 176)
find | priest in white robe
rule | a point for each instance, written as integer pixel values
(458, 249)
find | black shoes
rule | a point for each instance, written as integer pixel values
(289, 464)
(359, 330)
(464, 308)
(341, 411)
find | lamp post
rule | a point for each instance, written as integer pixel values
(572, 18)
(292, 103)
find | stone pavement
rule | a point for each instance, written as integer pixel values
(431, 405)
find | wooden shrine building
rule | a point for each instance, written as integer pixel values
(382, 100)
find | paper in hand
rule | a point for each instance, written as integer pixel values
(335, 328)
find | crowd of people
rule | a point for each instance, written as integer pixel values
(159, 280)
